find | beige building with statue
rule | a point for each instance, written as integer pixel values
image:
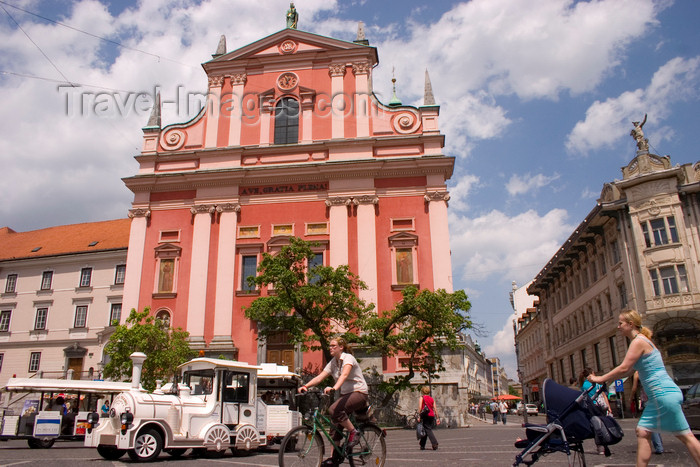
(637, 248)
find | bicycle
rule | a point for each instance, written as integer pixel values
(304, 445)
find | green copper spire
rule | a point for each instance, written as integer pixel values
(395, 101)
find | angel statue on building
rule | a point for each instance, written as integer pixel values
(292, 17)
(638, 134)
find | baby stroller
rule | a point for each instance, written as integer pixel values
(569, 414)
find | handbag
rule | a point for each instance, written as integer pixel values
(425, 410)
(420, 430)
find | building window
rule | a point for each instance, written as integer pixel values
(80, 316)
(563, 374)
(571, 364)
(596, 349)
(11, 283)
(398, 225)
(85, 277)
(622, 290)
(673, 279)
(584, 360)
(316, 261)
(615, 249)
(249, 269)
(34, 360)
(594, 271)
(282, 229)
(5, 316)
(46, 279)
(287, 121)
(249, 231)
(168, 236)
(603, 270)
(613, 353)
(317, 228)
(2, 355)
(115, 314)
(41, 317)
(119, 274)
(661, 229)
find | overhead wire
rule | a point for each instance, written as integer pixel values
(118, 44)
(36, 45)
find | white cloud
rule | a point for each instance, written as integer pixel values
(459, 193)
(521, 184)
(609, 121)
(513, 248)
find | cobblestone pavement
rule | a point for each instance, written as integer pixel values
(483, 444)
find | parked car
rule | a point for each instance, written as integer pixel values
(531, 409)
(691, 406)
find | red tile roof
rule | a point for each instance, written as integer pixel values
(64, 239)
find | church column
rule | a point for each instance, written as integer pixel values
(213, 110)
(134, 260)
(338, 229)
(367, 245)
(199, 266)
(234, 130)
(439, 239)
(223, 305)
(338, 101)
(362, 102)
(267, 107)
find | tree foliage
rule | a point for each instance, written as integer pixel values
(165, 349)
(311, 304)
(419, 328)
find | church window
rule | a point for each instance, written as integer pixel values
(287, 121)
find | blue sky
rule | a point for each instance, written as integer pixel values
(537, 99)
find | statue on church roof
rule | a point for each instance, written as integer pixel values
(292, 17)
(638, 134)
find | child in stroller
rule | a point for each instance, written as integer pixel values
(569, 413)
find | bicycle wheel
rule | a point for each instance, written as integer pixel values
(301, 447)
(371, 450)
(578, 456)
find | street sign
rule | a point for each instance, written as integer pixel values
(619, 386)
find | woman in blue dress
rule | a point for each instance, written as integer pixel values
(663, 410)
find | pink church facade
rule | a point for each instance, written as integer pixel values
(292, 141)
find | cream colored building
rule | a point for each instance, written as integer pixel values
(638, 249)
(60, 289)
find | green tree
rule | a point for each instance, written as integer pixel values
(312, 304)
(165, 349)
(419, 328)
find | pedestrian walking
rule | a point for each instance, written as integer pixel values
(428, 417)
(663, 411)
(503, 408)
(601, 400)
(482, 411)
(656, 441)
(494, 411)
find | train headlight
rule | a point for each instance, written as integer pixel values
(126, 419)
(93, 419)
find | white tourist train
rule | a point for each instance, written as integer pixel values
(216, 406)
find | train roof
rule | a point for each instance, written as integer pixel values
(64, 385)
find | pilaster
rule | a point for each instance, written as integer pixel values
(213, 110)
(223, 306)
(338, 218)
(134, 260)
(337, 73)
(362, 102)
(196, 303)
(367, 245)
(238, 81)
(439, 239)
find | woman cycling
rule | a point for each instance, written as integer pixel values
(351, 384)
